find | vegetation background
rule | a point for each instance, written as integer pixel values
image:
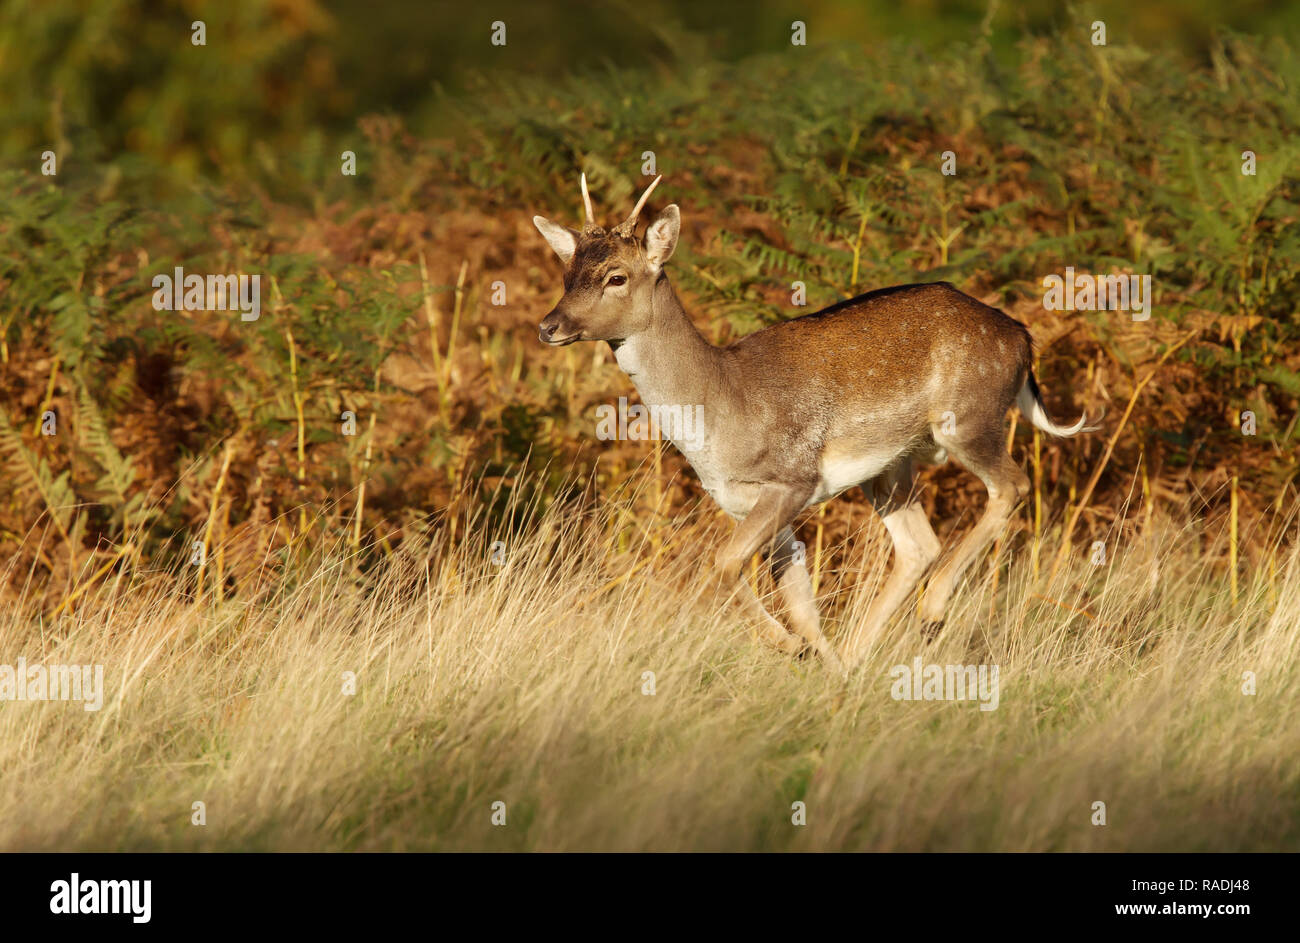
(816, 163)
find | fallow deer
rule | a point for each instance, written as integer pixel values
(798, 412)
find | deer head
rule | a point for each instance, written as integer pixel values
(609, 274)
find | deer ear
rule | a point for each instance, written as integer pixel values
(661, 236)
(561, 238)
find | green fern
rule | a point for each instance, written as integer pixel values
(55, 491)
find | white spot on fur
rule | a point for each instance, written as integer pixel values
(628, 357)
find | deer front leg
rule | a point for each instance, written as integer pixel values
(775, 506)
(796, 589)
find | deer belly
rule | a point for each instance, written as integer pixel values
(841, 469)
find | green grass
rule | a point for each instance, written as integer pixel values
(525, 684)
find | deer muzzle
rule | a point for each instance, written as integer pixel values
(556, 330)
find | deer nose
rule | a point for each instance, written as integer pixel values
(548, 332)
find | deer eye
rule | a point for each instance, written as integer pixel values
(616, 280)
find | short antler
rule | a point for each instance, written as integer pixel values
(629, 224)
(586, 202)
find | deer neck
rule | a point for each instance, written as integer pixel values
(670, 362)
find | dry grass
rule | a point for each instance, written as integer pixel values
(523, 683)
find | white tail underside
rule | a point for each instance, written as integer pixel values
(1034, 411)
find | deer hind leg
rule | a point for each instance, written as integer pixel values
(772, 513)
(1007, 485)
(915, 549)
(796, 590)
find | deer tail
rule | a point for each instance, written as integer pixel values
(1030, 401)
